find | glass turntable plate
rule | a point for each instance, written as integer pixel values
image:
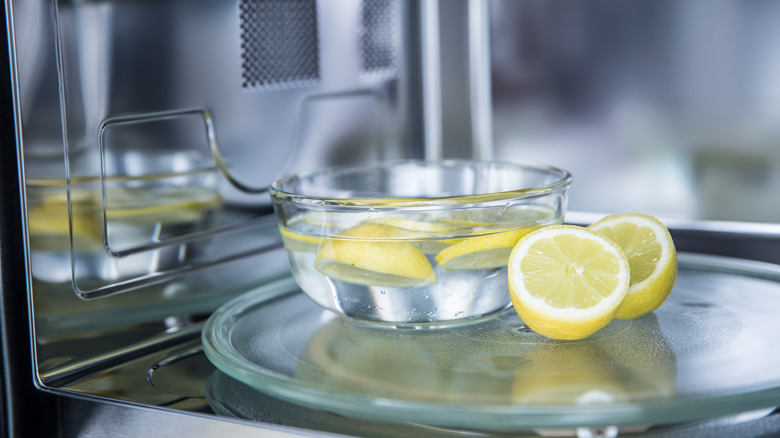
(711, 350)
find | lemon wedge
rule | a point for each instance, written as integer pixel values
(372, 255)
(425, 235)
(482, 252)
(651, 254)
(567, 282)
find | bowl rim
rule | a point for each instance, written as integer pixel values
(562, 183)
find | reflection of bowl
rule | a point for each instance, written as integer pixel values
(417, 366)
(487, 364)
(118, 228)
(413, 242)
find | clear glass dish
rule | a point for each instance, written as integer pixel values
(413, 243)
(711, 350)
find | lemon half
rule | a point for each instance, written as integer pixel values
(567, 282)
(371, 255)
(652, 256)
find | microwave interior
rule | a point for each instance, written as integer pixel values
(145, 135)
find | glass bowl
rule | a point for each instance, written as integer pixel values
(413, 243)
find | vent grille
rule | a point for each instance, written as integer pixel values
(379, 36)
(279, 43)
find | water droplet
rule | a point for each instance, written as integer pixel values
(382, 292)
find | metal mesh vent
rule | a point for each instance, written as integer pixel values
(379, 37)
(279, 44)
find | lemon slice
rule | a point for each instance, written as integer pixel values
(482, 252)
(371, 255)
(422, 234)
(567, 282)
(651, 254)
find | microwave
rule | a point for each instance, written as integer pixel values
(140, 138)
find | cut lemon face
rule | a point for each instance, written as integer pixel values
(567, 282)
(651, 254)
(483, 252)
(368, 255)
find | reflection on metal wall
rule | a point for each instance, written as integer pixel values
(665, 107)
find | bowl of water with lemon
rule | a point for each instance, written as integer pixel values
(413, 243)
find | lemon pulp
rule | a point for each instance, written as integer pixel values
(567, 282)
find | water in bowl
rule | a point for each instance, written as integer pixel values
(410, 269)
